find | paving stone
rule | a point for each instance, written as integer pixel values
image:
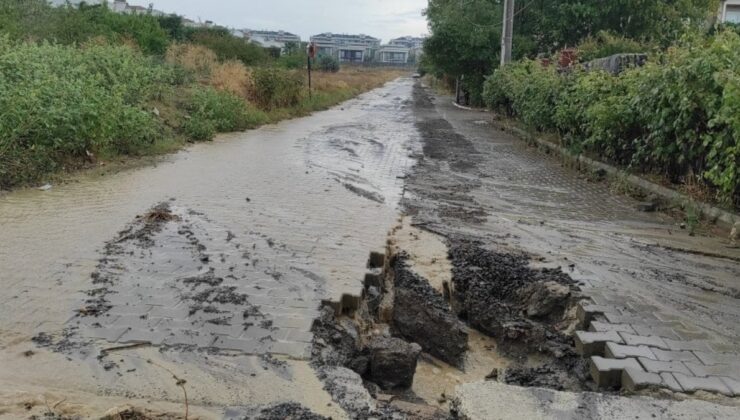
(663, 316)
(693, 384)
(717, 358)
(137, 321)
(641, 340)
(699, 369)
(105, 333)
(670, 382)
(634, 379)
(300, 336)
(586, 311)
(293, 322)
(257, 333)
(189, 338)
(664, 332)
(300, 351)
(691, 335)
(237, 344)
(589, 343)
(676, 356)
(155, 338)
(695, 345)
(607, 373)
(620, 351)
(732, 384)
(603, 327)
(658, 366)
(179, 311)
(722, 347)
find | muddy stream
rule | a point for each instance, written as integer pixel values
(307, 198)
(234, 275)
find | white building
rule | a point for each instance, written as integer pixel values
(118, 6)
(409, 42)
(730, 11)
(414, 44)
(346, 48)
(272, 39)
(393, 54)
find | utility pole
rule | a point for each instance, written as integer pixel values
(507, 32)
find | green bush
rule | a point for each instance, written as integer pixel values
(75, 25)
(605, 44)
(227, 46)
(328, 64)
(678, 116)
(60, 103)
(277, 88)
(527, 90)
(213, 111)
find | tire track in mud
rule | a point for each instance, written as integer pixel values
(174, 279)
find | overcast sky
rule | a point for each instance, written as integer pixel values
(384, 19)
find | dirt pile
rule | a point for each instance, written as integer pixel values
(421, 315)
(524, 309)
(500, 295)
(392, 362)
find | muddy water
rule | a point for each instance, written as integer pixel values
(326, 188)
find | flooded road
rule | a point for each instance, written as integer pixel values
(211, 266)
(308, 198)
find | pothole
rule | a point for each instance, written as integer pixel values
(477, 315)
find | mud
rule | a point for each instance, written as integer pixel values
(421, 315)
(493, 291)
(287, 411)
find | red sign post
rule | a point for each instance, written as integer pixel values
(311, 56)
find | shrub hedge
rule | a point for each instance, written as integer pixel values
(58, 103)
(678, 116)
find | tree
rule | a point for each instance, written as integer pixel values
(464, 40)
(465, 34)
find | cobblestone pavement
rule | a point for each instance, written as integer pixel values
(656, 311)
(268, 224)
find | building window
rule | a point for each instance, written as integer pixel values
(732, 14)
(350, 55)
(395, 57)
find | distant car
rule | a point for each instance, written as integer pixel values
(416, 76)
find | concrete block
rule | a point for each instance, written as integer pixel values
(376, 260)
(711, 384)
(732, 384)
(620, 351)
(607, 373)
(641, 340)
(634, 380)
(603, 327)
(585, 312)
(670, 382)
(659, 367)
(717, 358)
(590, 343)
(675, 356)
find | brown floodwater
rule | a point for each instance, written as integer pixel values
(326, 188)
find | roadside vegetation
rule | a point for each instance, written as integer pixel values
(83, 86)
(677, 117)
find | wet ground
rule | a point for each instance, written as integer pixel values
(260, 228)
(194, 284)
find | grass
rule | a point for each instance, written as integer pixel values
(329, 89)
